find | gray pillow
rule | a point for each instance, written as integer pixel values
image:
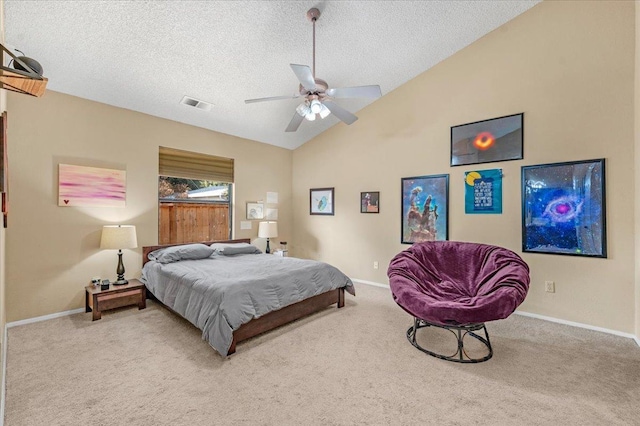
(182, 252)
(229, 249)
(218, 246)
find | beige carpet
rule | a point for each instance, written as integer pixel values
(349, 366)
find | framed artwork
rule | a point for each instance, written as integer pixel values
(255, 210)
(321, 201)
(483, 192)
(564, 208)
(370, 202)
(91, 186)
(487, 141)
(3, 152)
(5, 209)
(425, 208)
(4, 175)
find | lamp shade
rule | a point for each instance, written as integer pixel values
(268, 230)
(118, 237)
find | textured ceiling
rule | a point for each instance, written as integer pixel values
(146, 55)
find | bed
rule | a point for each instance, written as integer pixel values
(232, 294)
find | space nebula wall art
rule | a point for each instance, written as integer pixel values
(563, 208)
(425, 209)
(497, 139)
(91, 186)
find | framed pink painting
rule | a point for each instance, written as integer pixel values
(91, 186)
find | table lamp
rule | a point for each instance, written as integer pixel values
(268, 230)
(119, 237)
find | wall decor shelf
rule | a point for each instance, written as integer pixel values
(26, 81)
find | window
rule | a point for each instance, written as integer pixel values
(194, 196)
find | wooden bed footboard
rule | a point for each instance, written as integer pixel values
(275, 319)
(286, 315)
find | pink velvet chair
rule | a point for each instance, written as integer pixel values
(457, 286)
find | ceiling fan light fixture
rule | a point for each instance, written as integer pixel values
(324, 112)
(315, 106)
(317, 96)
(303, 109)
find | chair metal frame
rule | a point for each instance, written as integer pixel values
(460, 331)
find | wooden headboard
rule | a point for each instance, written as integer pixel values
(148, 249)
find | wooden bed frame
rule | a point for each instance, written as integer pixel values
(272, 319)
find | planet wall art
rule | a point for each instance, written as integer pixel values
(563, 208)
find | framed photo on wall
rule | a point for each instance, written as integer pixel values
(81, 186)
(487, 141)
(255, 210)
(4, 175)
(564, 208)
(3, 152)
(321, 201)
(370, 202)
(5, 209)
(425, 209)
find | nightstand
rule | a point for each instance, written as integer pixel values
(116, 296)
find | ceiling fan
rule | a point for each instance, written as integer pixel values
(318, 97)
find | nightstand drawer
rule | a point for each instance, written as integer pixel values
(118, 300)
(98, 300)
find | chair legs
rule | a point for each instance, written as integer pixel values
(460, 331)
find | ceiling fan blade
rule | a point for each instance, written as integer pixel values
(294, 123)
(305, 76)
(355, 92)
(340, 112)
(273, 98)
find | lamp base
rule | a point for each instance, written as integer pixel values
(120, 271)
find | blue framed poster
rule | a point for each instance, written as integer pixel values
(483, 192)
(564, 208)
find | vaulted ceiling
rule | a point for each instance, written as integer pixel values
(147, 55)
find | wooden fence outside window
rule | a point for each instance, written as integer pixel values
(191, 222)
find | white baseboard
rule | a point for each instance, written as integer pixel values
(355, 280)
(578, 324)
(537, 316)
(44, 317)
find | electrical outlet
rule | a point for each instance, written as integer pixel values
(375, 265)
(549, 286)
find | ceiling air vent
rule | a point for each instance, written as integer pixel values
(205, 106)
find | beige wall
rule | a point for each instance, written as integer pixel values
(569, 66)
(52, 252)
(637, 170)
(3, 303)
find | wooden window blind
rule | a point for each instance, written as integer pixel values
(193, 165)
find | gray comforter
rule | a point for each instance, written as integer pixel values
(221, 293)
